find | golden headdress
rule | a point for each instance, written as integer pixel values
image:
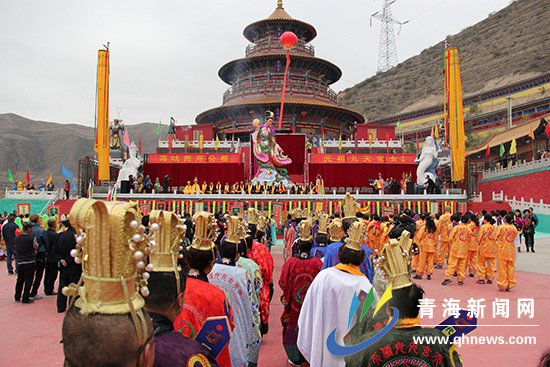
(335, 230)
(262, 222)
(394, 259)
(235, 228)
(167, 230)
(206, 230)
(251, 216)
(357, 232)
(305, 229)
(350, 206)
(302, 213)
(323, 223)
(113, 248)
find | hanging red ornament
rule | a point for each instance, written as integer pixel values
(288, 39)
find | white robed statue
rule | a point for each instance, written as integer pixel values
(427, 163)
(130, 167)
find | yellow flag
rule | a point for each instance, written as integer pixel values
(531, 134)
(49, 180)
(200, 142)
(217, 142)
(340, 142)
(513, 149)
(437, 130)
(456, 116)
(102, 116)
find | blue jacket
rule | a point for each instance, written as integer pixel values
(41, 237)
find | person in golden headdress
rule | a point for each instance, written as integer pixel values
(202, 299)
(404, 296)
(330, 295)
(331, 254)
(113, 250)
(254, 276)
(233, 281)
(165, 301)
(295, 280)
(321, 237)
(260, 254)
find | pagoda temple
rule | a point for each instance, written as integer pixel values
(256, 83)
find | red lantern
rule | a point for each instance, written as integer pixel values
(288, 39)
(304, 113)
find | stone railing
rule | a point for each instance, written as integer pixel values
(269, 46)
(518, 168)
(29, 194)
(538, 208)
(274, 86)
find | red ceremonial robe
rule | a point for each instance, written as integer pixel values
(260, 255)
(201, 301)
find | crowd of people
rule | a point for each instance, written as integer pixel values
(143, 184)
(224, 268)
(42, 186)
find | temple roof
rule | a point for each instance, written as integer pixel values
(331, 71)
(352, 116)
(517, 132)
(307, 31)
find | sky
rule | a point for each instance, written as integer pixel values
(165, 54)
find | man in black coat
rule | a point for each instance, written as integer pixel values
(69, 271)
(25, 245)
(51, 259)
(8, 234)
(166, 183)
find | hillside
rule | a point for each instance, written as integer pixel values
(510, 45)
(42, 147)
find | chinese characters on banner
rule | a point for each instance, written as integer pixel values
(363, 158)
(500, 307)
(195, 158)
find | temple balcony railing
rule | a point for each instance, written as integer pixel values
(517, 168)
(274, 45)
(273, 87)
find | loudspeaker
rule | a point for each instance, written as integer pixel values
(410, 188)
(124, 187)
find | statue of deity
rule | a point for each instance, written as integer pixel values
(269, 156)
(427, 163)
(130, 166)
(117, 130)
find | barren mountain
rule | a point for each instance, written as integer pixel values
(510, 45)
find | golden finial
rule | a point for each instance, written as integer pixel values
(280, 4)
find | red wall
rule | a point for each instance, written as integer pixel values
(381, 131)
(181, 173)
(532, 185)
(207, 132)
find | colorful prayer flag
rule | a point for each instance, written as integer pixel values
(65, 172)
(139, 145)
(158, 128)
(73, 186)
(399, 127)
(10, 176)
(502, 150)
(49, 180)
(513, 148)
(28, 178)
(186, 141)
(127, 138)
(201, 142)
(437, 130)
(340, 142)
(547, 128)
(217, 142)
(531, 134)
(488, 151)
